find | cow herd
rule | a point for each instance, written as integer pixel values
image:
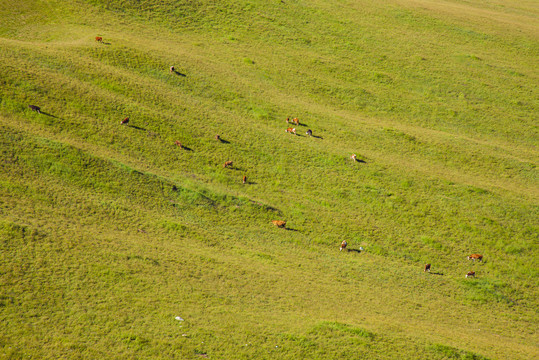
(278, 223)
(471, 257)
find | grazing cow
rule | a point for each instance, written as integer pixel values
(35, 108)
(227, 164)
(99, 39)
(291, 130)
(296, 121)
(475, 257)
(279, 223)
(427, 268)
(177, 142)
(217, 137)
(353, 157)
(172, 69)
(125, 121)
(343, 245)
(287, 120)
(244, 179)
(309, 132)
(470, 274)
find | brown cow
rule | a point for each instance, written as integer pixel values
(125, 121)
(296, 121)
(172, 69)
(353, 157)
(99, 39)
(227, 164)
(470, 274)
(177, 142)
(244, 179)
(344, 244)
(217, 137)
(279, 223)
(475, 257)
(427, 268)
(291, 130)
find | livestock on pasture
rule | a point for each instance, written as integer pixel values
(244, 179)
(217, 137)
(309, 132)
(125, 121)
(179, 144)
(99, 39)
(427, 268)
(35, 108)
(475, 257)
(296, 121)
(470, 274)
(227, 164)
(279, 223)
(353, 157)
(172, 69)
(291, 130)
(344, 244)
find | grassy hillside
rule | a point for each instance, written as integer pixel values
(108, 232)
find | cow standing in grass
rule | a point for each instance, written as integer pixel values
(427, 268)
(279, 223)
(125, 121)
(35, 108)
(291, 131)
(470, 274)
(344, 244)
(227, 164)
(99, 39)
(475, 257)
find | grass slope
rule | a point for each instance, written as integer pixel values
(109, 232)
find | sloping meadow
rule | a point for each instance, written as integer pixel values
(108, 231)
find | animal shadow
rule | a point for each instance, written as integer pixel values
(136, 127)
(316, 136)
(224, 141)
(51, 115)
(186, 148)
(354, 250)
(437, 273)
(106, 43)
(179, 73)
(290, 229)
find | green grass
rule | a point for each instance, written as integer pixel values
(109, 232)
